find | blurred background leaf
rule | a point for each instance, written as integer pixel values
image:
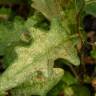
(90, 8)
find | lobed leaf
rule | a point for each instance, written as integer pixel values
(39, 56)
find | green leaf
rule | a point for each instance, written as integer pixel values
(10, 33)
(39, 57)
(68, 91)
(69, 79)
(37, 21)
(49, 8)
(55, 91)
(40, 86)
(93, 53)
(91, 8)
(81, 90)
(5, 13)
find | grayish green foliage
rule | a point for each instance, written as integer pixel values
(31, 59)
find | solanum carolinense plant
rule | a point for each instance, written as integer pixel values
(50, 32)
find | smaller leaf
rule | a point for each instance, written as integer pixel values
(69, 79)
(49, 8)
(81, 90)
(93, 53)
(5, 13)
(91, 8)
(68, 91)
